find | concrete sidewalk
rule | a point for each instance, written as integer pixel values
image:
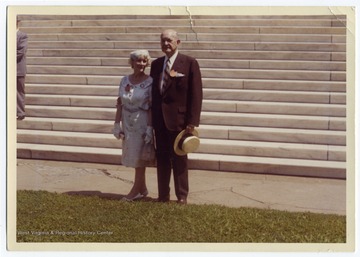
(296, 194)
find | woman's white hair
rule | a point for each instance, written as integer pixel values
(137, 54)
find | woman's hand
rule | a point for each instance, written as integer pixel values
(149, 135)
(117, 130)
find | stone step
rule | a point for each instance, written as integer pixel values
(335, 110)
(199, 54)
(207, 146)
(209, 93)
(209, 118)
(190, 45)
(320, 38)
(150, 17)
(205, 72)
(308, 136)
(184, 22)
(222, 37)
(274, 121)
(189, 29)
(275, 96)
(279, 166)
(54, 83)
(282, 85)
(84, 139)
(204, 63)
(305, 136)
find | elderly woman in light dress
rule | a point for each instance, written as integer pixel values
(133, 121)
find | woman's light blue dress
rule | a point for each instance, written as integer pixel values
(136, 101)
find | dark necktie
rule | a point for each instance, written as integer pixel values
(166, 76)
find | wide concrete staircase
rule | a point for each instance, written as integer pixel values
(274, 89)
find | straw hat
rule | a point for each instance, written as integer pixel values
(186, 142)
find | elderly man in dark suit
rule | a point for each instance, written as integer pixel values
(176, 105)
(21, 47)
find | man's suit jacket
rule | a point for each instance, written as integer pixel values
(21, 48)
(181, 101)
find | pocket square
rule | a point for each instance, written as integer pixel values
(176, 74)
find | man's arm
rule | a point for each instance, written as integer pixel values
(195, 96)
(22, 47)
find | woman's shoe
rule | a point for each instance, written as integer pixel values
(136, 197)
(145, 193)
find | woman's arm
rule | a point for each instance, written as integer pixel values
(117, 130)
(118, 110)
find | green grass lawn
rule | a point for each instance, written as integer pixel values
(51, 217)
